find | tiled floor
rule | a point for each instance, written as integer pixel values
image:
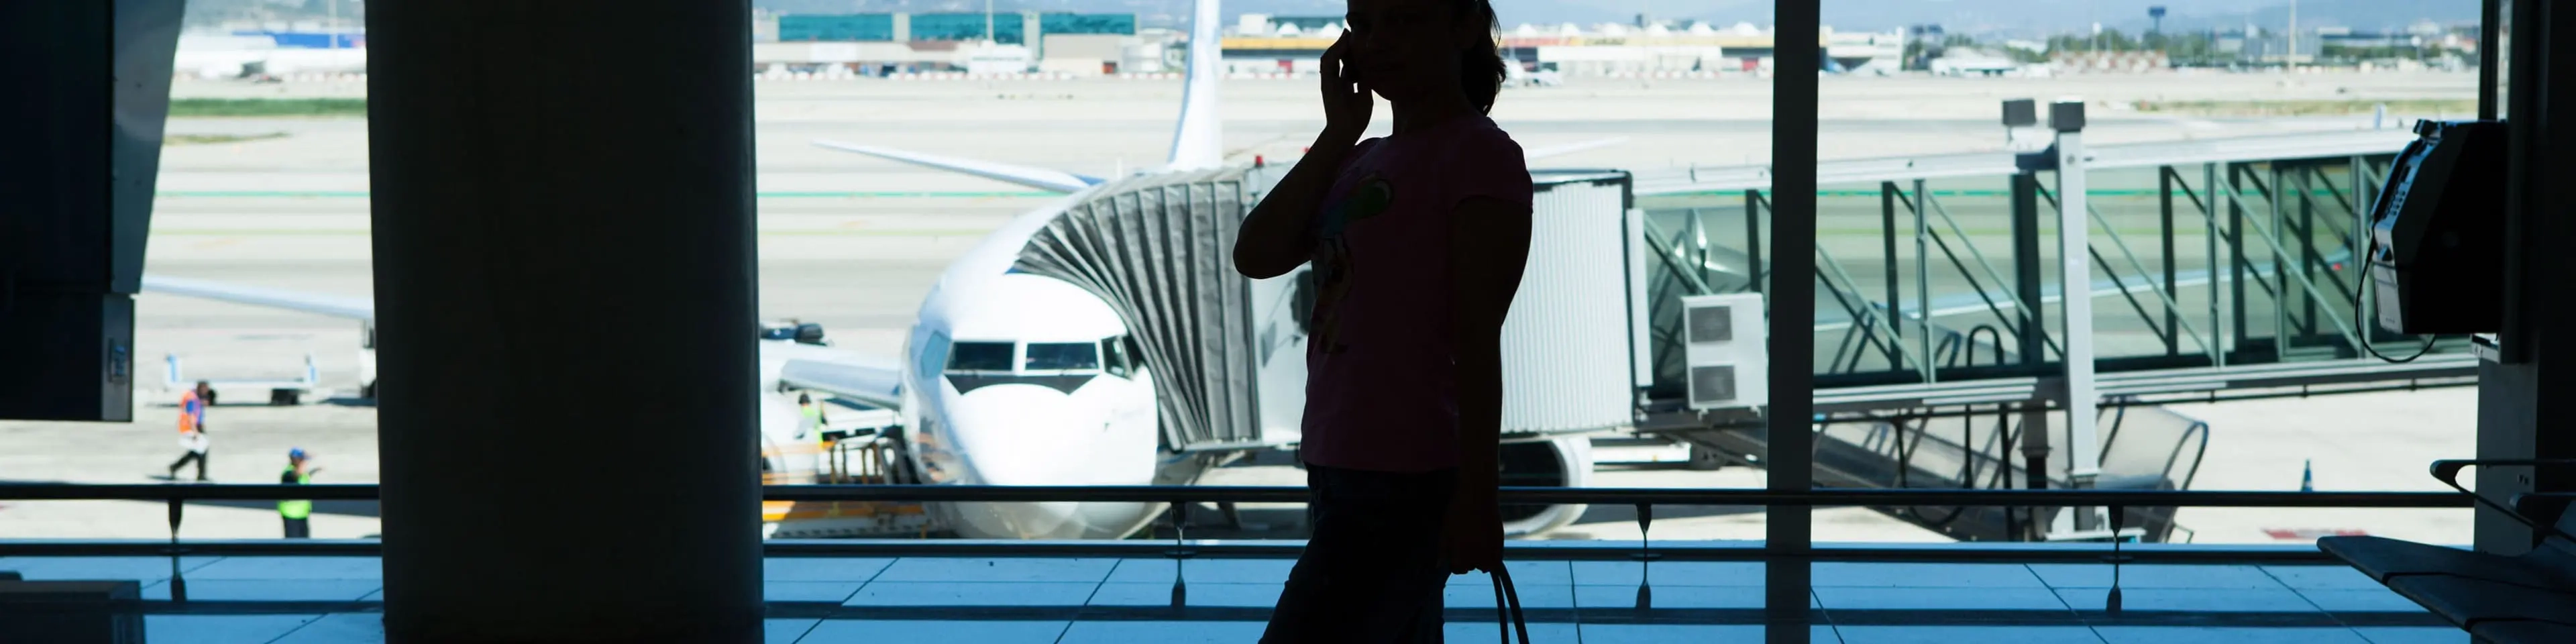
(310, 600)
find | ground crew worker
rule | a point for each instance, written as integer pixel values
(192, 428)
(295, 511)
(812, 421)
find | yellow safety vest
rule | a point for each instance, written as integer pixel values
(814, 417)
(296, 509)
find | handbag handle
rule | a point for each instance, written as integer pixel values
(1507, 601)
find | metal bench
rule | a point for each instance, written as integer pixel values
(2529, 597)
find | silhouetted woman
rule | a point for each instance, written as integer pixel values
(1417, 242)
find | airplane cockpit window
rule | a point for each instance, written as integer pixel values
(980, 356)
(1062, 356)
(1113, 353)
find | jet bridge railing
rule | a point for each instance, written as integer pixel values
(2221, 255)
(2213, 263)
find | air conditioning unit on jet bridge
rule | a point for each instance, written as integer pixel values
(1725, 350)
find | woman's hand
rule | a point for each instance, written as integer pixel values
(1347, 105)
(1471, 538)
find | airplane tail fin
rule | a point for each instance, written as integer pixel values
(1198, 142)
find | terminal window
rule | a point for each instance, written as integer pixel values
(1006, 29)
(848, 27)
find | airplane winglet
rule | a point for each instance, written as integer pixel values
(1040, 178)
(1198, 142)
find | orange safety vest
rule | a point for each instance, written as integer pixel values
(188, 410)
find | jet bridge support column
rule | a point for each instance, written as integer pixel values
(546, 244)
(2074, 256)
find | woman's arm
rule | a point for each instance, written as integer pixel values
(1275, 238)
(1488, 246)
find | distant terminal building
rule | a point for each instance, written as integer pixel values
(871, 44)
(1262, 44)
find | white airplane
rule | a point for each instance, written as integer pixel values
(1007, 377)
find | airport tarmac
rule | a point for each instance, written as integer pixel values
(854, 243)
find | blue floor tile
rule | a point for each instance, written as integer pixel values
(270, 590)
(859, 569)
(339, 628)
(1967, 634)
(1539, 632)
(1924, 575)
(997, 570)
(1213, 595)
(1860, 598)
(1671, 633)
(2226, 635)
(1214, 571)
(1162, 632)
(1672, 597)
(143, 569)
(854, 631)
(2322, 577)
(1666, 573)
(2192, 600)
(808, 591)
(220, 629)
(2413, 634)
(291, 568)
(1460, 594)
(927, 593)
(2154, 576)
(2374, 600)
(785, 631)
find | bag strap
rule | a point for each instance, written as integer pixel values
(1507, 601)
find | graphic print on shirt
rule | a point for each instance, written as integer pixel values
(1333, 261)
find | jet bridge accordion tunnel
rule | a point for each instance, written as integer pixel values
(1228, 352)
(1939, 328)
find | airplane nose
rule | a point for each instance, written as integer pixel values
(1021, 434)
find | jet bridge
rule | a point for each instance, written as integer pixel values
(2224, 267)
(1228, 353)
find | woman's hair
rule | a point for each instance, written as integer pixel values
(1480, 68)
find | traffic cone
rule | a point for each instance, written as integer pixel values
(2308, 475)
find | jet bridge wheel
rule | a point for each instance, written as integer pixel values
(1703, 459)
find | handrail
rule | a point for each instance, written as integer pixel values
(1515, 550)
(1284, 494)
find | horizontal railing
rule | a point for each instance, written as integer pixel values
(1644, 499)
(1276, 494)
(1518, 550)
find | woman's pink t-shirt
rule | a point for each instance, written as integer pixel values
(1380, 391)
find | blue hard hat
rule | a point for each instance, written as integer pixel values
(295, 454)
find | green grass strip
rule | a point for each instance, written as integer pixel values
(889, 194)
(242, 107)
(2249, 192)
(203, 139)
(360, 232)
(2314, 107)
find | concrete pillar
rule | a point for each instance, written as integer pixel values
(559, 258)
(2528, 386)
